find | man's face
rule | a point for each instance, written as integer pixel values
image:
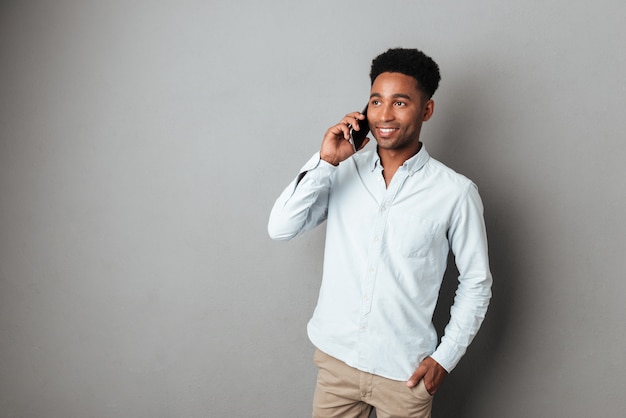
(396, 112)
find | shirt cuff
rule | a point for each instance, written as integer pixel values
(316, 163)
(448, 355)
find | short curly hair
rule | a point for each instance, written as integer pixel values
(411, 62)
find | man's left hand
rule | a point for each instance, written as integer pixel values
(432, 373)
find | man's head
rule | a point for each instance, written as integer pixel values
(403, 82)
(411, 62)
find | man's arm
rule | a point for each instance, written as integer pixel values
(468, 241)
(304, 203)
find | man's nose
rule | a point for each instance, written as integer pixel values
(386, 113)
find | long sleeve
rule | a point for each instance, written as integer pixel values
(468, 241)
(303, 204)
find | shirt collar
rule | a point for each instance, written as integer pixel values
(413, 164)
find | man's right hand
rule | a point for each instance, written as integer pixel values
(336, 145)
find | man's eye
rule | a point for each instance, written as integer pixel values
(400, 103)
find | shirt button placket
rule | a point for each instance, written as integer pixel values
(368, 283)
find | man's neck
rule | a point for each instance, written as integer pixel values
(391, 160)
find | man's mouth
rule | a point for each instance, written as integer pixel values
(386, 131)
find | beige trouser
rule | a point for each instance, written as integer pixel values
(345, 392)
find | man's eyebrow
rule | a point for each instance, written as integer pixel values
(395, 96)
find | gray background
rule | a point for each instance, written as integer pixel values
(143, 144)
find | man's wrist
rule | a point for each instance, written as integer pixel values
(329, 160)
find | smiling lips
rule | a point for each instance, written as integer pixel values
(386, 131)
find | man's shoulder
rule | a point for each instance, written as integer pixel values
(444, 173)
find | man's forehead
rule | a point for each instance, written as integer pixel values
(394, 84)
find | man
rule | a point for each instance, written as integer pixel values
(392, 216)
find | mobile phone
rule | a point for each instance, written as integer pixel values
(357, 137)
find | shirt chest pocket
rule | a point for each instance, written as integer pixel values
(413, 236)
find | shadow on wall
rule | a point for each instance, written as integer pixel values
(467, 139)
(467, 150)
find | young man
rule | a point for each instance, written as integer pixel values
(392, 216)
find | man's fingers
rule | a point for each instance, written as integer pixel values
(342, 129)
(351, 120)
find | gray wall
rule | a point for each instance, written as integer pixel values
(142, 146)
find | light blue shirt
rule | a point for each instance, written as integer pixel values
(385, 257)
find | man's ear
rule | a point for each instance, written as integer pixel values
(429, 108)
